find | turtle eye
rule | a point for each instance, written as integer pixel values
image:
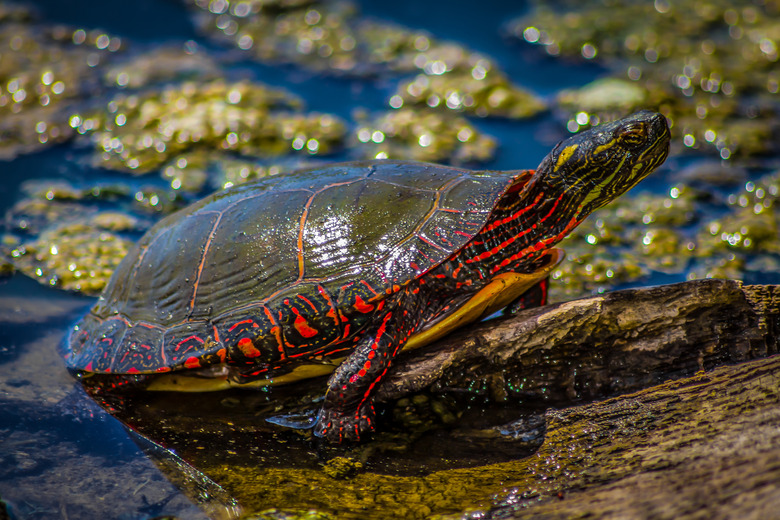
(633, 136)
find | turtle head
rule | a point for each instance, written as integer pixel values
(595, 167)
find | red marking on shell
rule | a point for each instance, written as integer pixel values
(275, 332)
(163, 369)
(368, 286)
(185, 340)
(202, 262)
(332, 312)
(362, 306)
(133, 370)
(88, 368)
(221, 353)
(192, 362)
(308, 302)
(430, 243)
(247, 347)
(302, 326)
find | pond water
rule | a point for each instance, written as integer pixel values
(63, 456)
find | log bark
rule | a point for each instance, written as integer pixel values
(704, 447)
(600, 346)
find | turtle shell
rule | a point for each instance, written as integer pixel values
(275, 260)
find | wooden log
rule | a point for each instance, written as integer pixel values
(605, 345)
(707, 446)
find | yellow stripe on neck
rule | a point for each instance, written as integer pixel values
(565, 155)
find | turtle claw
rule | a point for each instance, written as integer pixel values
(298, 421)
(336, 426)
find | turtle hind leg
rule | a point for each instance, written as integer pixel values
(347, 413)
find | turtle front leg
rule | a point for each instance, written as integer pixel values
(348, 411)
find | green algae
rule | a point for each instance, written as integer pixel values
(163, 64)
(76, 256)
(333, 37)
(713, 72)
(342, 467)
(141, 132)
(422, 135)
(275, 514)
(200, 169)
(455, 79)
(43, 70)
(73, 237)
(673, 234)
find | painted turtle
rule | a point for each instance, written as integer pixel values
(350, 261)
